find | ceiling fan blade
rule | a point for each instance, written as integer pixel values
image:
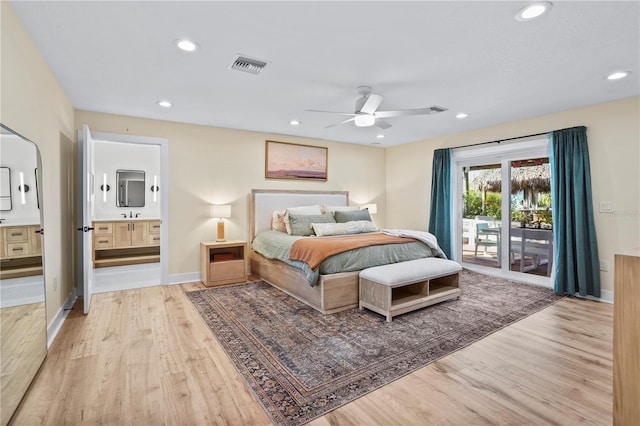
(342, 122)
(332, 112)
(372, 104)
(403, 112)
(382, 124)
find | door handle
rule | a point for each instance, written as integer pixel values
(86, 229)
(40, 231)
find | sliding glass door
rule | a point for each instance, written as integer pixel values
(504, 221)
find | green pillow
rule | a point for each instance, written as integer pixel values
(342, 217)
(301, 223)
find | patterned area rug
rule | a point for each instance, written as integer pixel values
(301, 364)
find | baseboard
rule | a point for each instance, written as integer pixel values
(58, 320)
(189, 277)
(606, 296)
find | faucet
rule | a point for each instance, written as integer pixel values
(137, 214)
(130, 214)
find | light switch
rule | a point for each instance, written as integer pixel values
(606, 206)
(604, 265)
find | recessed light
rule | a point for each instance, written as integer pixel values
(462, 115)
(294, 122)
(618, 75)
(533, 11)
(164, 104)
(186, 45)
(380, 136)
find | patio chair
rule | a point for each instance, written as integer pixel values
(486, 239)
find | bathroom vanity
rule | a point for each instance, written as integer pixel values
(125, 242)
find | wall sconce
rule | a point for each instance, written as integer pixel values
(104, 188)
(220, 211)
(155, 188)
(23, 189)
(373, 208)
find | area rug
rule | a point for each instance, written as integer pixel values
(301, 364)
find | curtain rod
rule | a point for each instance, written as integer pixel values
(500, 140)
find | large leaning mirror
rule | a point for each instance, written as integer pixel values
(130, 188)
(23, 319)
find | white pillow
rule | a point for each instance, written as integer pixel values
(327, 209)
(345, 228)
(278, 222)
(301, 210)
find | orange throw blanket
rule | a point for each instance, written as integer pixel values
(313, 251)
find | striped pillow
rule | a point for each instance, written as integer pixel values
(345, 228)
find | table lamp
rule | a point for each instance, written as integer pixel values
(220, 211)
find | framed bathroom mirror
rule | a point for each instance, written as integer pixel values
(130, 188)
(5, 189)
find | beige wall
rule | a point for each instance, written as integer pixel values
(613, 132)
(215, 165)
(34, 105)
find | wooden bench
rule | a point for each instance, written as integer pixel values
(403, 287)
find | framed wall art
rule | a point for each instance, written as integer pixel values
(285, 160)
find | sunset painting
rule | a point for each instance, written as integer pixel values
(294, 161)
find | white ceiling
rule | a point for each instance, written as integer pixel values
(473, 57)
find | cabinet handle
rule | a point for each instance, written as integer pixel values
(133, 227)
(128, 227)
(18, 249)
(103, 229)
(103, 241)
(16, 234)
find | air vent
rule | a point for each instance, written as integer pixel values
(252, 66)
(435, 109)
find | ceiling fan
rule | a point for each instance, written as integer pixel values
(366, 113)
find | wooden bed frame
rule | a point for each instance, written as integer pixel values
(334, 292)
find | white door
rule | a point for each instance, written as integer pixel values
(87, 213)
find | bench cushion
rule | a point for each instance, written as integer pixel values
(410, 271)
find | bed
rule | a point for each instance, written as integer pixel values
(331, 291)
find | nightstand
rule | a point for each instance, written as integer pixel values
(223, 262)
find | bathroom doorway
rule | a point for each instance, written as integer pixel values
(123, 238)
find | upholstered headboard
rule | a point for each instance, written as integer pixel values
(265, 201)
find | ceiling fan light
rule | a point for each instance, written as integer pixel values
(365, 120)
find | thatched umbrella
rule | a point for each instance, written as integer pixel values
(530, 179)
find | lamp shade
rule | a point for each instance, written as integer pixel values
(221, 210)
(373, 208)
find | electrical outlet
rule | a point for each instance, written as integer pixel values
(606, 206)
(604, 265)
(55, 283)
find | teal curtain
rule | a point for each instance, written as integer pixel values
(576, 249)
(440, 214)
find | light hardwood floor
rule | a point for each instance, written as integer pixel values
(145, 357)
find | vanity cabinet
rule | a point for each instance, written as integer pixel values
(125, 242)
(128, 234)
(20, 251)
